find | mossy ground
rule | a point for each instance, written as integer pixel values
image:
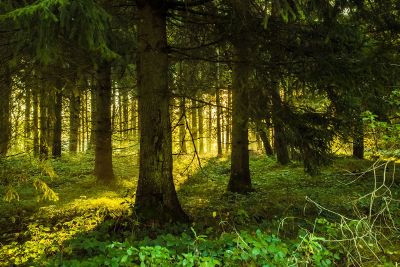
(33, 230)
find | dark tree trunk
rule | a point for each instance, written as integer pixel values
(156, 198)
(228, 122)
(182, 124)
(35, 122)
(57, 124)
(210, 130)
(200, 112)
(358, 139)
(103, 149)
(264, 135)
(219, 130)
(5, 123)
(93, 115)
(240, 181)
(74, 121)
(28, 107)
(43, 127)
(194, 129)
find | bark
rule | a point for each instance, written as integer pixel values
(125, 113)
(28, 107)
(210, 130)
(194, 128)
(200, 112)
(182, 124)
(219, 130)
(43, 124)
(35, 122)
(264, 135)
(5, 123)
(57, 130)
(103, 149)
(228, 123)
(358, 139)
(156, 198)
(93, 116)
(74, 121)
(240, 181)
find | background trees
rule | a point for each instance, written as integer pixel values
(202, 77)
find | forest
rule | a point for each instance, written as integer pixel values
(199, 133)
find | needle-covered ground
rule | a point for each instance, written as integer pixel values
(54, 213)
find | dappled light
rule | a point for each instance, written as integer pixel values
(199, 133)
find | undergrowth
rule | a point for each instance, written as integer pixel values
(347, 215)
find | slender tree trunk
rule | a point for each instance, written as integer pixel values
(240, 181)
(35, 122)
(57, 124)
(182, 124)
(194, 128)
(5, 122)
(264, 135)
(28, 107)
(156, 198)
(74, 121)
(134, 119)
(43, 127)
(358, 139)
(228, 122)
(201, 128)
(93, 115)
(103, 151)
(210, 130)
(219, 130)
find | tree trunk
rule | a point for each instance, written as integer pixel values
(264, 135)
(200, 112)
(194, 129)
(35, 122)
(74, 121)
(219, 130)
(43, 126)
(57, 124)
(182, 124)
(103, 149)
(358, 139)
(228, 122)
(210, 129)
(93, 115)
(156, 198)
(5, 123)
(28, 105)
(240, 181)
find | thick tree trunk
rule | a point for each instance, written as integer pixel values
(156, 198)
(240, 181)
(57, 130)
(74, 121)
(358, 139)
(35, 122)
(5, 123)
(103, 149)
(182, 124)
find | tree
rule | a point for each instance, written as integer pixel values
(156, 198)
(5, 98)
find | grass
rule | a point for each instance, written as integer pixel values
(35, 229)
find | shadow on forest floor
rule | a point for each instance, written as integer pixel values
(89, 214)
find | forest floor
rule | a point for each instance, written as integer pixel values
(89, 224)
